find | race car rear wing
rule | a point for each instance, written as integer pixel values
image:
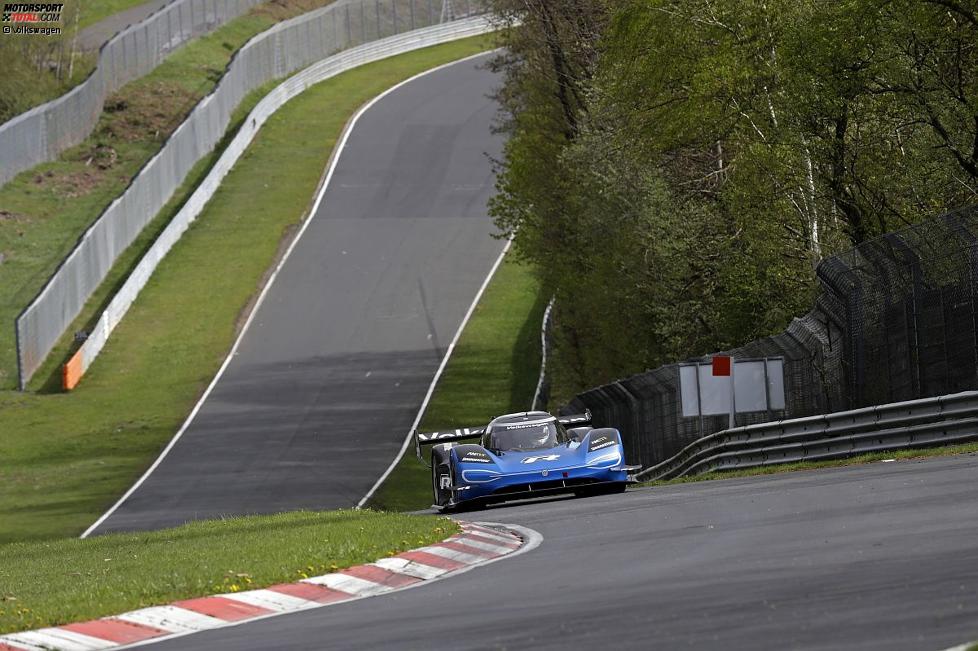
(575, 419)
(432, 438)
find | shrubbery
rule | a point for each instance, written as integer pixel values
(677, 168)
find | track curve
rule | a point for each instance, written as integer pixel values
(882, 556)
(327, 378)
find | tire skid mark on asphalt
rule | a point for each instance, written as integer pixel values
(478, 544)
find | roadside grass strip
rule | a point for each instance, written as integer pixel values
(476, 544)
(49, 583)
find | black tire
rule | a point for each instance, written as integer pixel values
(441, 467)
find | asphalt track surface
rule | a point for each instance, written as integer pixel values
(330, 375)
(95, 35)
(881, 556)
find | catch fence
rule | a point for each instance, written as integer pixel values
(894, 320)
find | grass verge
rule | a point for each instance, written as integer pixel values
(68, 580)
(493, 370)
(44, 210)
(873, 457)
(67, 457)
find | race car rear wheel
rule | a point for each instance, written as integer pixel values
(441, 476)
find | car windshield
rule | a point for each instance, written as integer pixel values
(524, 436)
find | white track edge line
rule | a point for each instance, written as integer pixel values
(531, 540)
(434, 381)
(261, 297)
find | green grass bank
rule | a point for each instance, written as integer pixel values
(67, 580)
(493, 371)
(67, 457)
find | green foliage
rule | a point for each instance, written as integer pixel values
(69, 580)
(720, 150)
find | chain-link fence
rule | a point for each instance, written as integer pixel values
(276, 53)
(43, 132)
(907, 302)
(895, 320)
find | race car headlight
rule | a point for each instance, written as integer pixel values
(606, 460)
(479, 476)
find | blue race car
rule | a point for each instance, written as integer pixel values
(530, 454)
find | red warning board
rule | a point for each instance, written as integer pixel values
(721, 366)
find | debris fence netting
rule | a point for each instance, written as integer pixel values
(894, 320)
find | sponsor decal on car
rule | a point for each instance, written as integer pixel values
(543, 457)
(466, 432)
(600, 442)
(527, 425)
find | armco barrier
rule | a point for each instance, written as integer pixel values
(928, 422)
(275, 53)
(316, 73)
(43, 132)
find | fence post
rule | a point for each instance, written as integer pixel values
(349, 26)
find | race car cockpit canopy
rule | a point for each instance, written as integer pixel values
(526, 432)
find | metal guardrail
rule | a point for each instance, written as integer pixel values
(274, 100)
(928, 422)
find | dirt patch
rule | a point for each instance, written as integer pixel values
(100, 156)
(150, 111)
(8, 216)
(71, 184)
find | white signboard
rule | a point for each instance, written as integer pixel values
(758, 386)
